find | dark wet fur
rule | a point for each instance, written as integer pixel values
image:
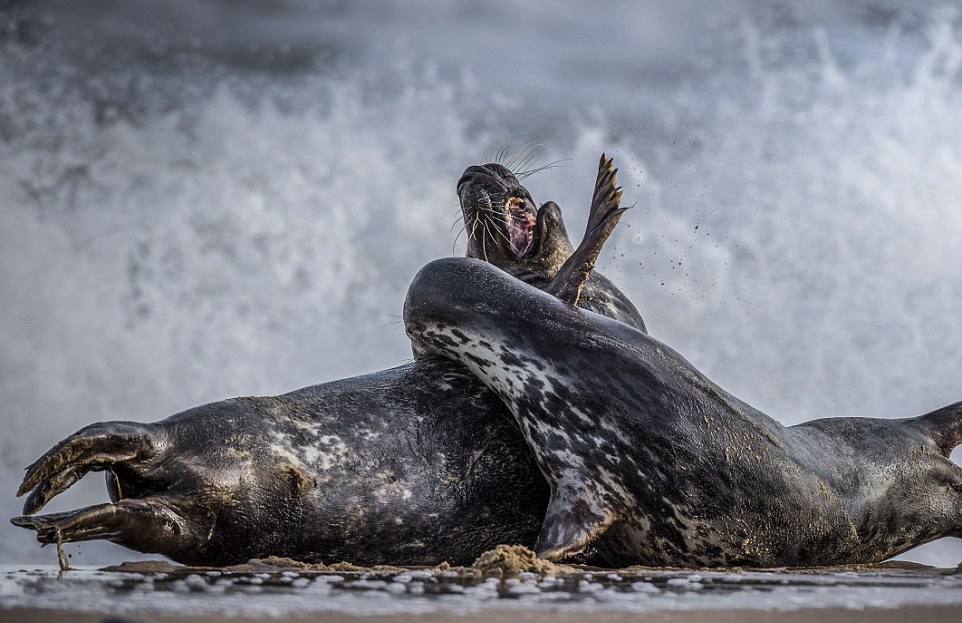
(446, 477)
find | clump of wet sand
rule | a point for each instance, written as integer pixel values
(514, 559)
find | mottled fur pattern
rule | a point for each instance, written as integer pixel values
(414, 465)
(651, 463)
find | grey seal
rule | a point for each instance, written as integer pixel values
(505, 230)
(415, 465)
(649, 462)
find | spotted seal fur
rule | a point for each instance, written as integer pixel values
(415, 465)
(649, 462)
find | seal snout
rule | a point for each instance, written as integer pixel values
(498, 210)
(490, 173)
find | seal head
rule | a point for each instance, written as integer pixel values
(507, 230)
(505, 227)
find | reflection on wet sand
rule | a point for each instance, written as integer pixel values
(504, 582)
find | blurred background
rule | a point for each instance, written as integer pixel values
(203, 199)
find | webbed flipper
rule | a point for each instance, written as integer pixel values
(130, 522)
(604, 215)
(93, 448)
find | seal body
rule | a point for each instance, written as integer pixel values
(649, 462)
(415, 465)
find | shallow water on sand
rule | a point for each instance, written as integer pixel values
(279, 593)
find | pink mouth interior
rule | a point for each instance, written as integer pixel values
(520, 221)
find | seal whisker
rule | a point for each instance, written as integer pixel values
(500, 154)
(523, 155)
(474, 226)
(497, 230)
(484, 243)
(551, 165)
(473, 236)
(509, 155)
(533, 153)
(458, 237)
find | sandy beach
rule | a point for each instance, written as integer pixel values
(286, 591)
(916, 614)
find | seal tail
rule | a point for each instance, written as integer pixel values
(944, 426)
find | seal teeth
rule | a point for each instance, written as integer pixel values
(519, 220)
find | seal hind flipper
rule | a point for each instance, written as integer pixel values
(944, 426)
(134, 523)
(604, 215)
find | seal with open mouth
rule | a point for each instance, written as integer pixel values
(651, 463)
(506, 230)
(415, 465)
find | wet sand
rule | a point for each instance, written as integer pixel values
(509, 585)
(915, 614)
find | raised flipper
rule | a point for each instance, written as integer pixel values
(578, 512)
(604, 215)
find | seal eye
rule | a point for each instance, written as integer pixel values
(519, 219)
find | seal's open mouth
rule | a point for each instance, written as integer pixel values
(519, 220)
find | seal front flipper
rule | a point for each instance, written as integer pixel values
(136, 523)
(604, 215)
(94, 448)
(572, 521)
